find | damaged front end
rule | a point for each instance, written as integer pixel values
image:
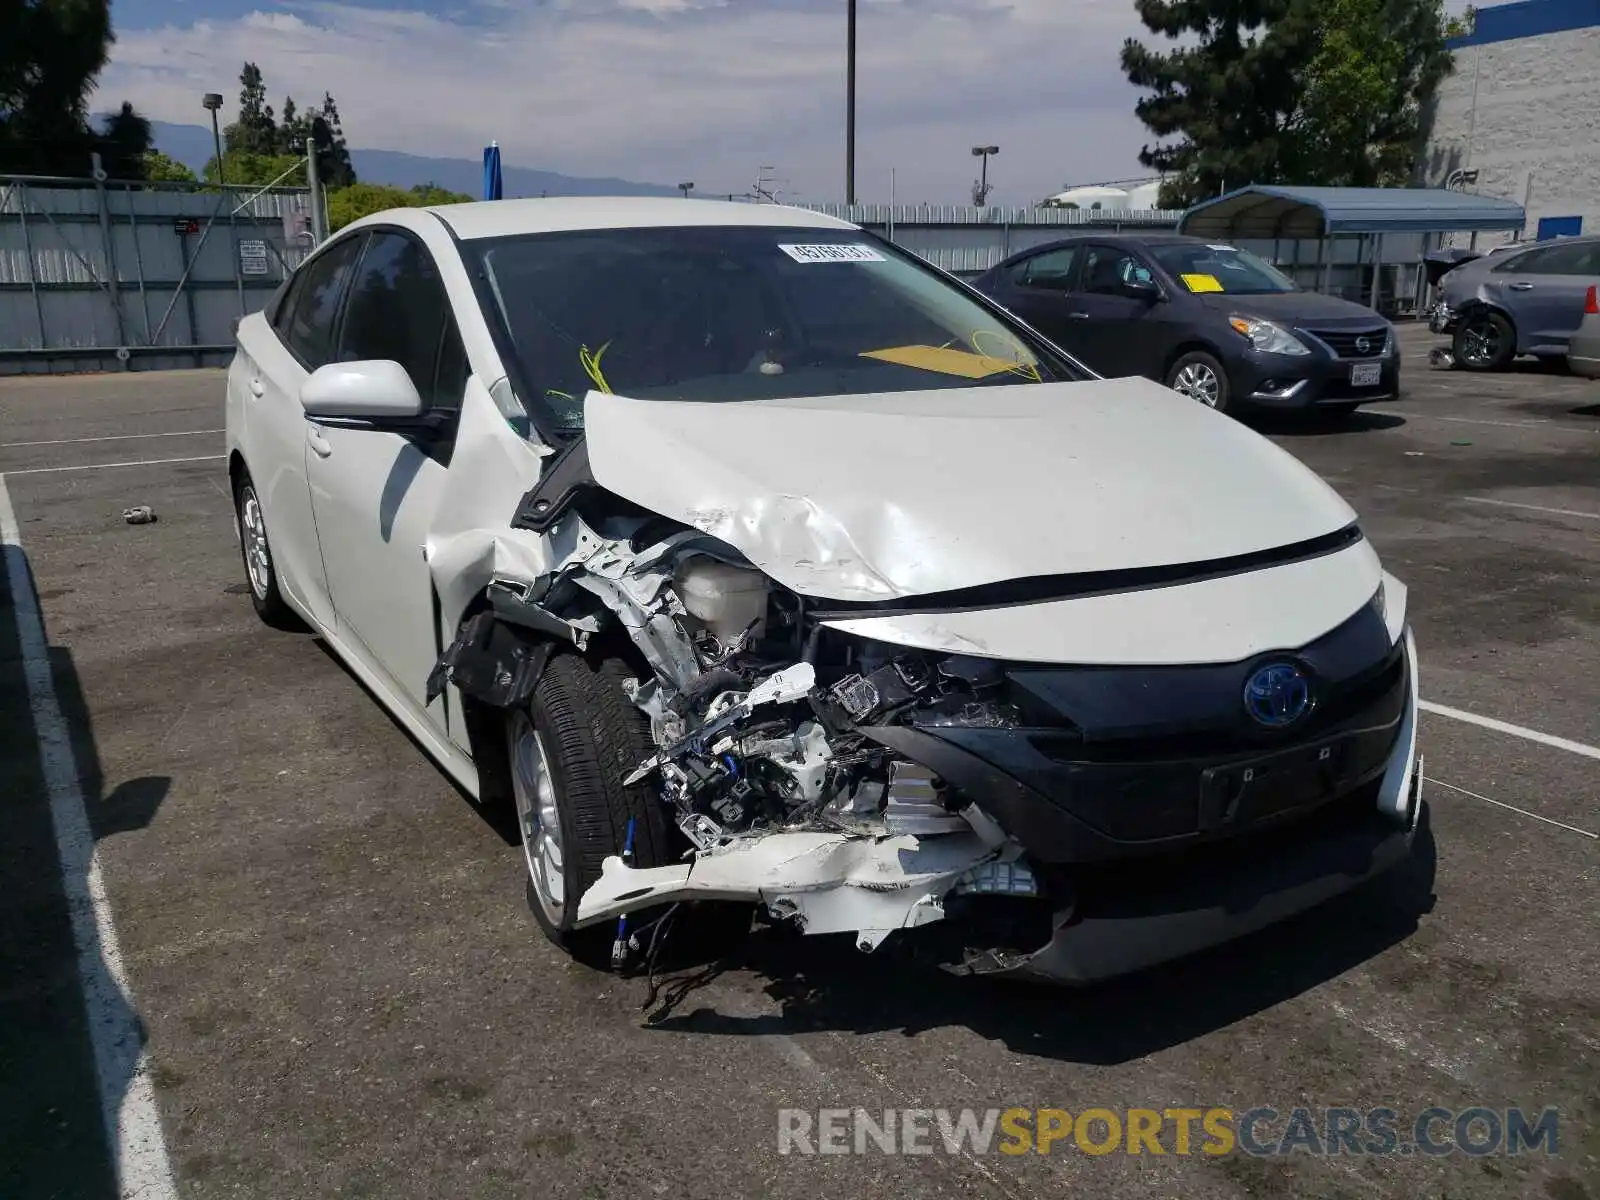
(776, 749)
(1044, 819)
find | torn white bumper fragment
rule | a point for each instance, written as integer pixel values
(828, 882)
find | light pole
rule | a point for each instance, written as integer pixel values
(686, 188)
(213, 101)
(850, 104)
(981, 192)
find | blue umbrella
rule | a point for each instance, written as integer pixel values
(491, 171)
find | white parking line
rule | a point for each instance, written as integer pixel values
(1519, 811)
(1559, 512)
(1556, 426)
(114, 437)
(1532, 735)
(127, 1101)
(143, 462)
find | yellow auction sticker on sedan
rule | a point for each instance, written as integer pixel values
(1202, 283)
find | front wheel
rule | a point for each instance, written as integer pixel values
(570, 750)
(1199, 376)
(1484, 341)
(256, 551)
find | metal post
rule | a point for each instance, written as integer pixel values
(188, 298)
(1324, 263)
(891, 204)
(319, 218)
(21, 192)
(1377, 267)
(113, 276)
(233, 250)
(850, 105)
(138, 261)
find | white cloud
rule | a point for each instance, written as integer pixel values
(709, 90)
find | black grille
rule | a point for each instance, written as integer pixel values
(1343, 341)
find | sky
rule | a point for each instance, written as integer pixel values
(664, 91)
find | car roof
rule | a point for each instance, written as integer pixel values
(1145, 237)
(500, 218)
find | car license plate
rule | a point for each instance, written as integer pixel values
(1246, 792)
(1366, 374)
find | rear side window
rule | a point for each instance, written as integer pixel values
(312, 305)
(399, 310)
(1052, 269)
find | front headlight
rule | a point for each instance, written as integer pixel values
(1389, 602)
(1268, 336)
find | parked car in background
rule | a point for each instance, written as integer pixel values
(1527, 301)
(1211, 321)
(1583, 353)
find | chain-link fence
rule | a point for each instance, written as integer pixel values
(101, 275)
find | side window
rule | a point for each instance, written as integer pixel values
(312, 304)
(1052, 269)
(399, 310)
(1574, 258)
(1531, 262)
(1107, 270)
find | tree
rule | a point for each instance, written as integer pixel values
(255, 131)
(51, 53)
(333, 157)
(1376, 64)
(1271, 91)
(258, 170)
(157, 167)
(363, 199)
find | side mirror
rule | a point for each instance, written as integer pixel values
(376, 389)
(1142, 289)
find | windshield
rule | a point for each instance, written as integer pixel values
(1205, 268)
(714, 313)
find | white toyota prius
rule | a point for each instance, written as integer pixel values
(761, 565)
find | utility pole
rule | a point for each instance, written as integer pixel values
(319, 229)
(213, 101)
(686, 188)
(981, 192)
(850, 105)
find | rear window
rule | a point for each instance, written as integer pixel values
(728, 314)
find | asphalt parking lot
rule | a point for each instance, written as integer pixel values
(341, 992)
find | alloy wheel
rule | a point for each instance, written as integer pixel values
(538, 816)
(1198, 382)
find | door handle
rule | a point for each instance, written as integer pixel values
(1522, 287)
(1078, 316)
(321, 445)
(257, 388)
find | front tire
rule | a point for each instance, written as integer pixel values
(1484, 341)
(1199, 376)
(569, 751)
(255, 551)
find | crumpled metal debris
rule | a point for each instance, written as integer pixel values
(141, 514)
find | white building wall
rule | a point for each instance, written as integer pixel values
(1526, 115)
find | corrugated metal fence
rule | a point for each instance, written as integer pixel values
(968, 241)
(110, 276)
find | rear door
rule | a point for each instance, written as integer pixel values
(276, 358)
(1544, 292)
(375, 492)
(1038, 289)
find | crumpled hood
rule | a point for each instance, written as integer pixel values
(895, 494)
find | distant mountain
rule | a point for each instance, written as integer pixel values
(192, 145)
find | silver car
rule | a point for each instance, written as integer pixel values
(1583, 355)
(1527, 301)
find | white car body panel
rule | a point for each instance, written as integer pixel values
(1213, 621)
(869, 498)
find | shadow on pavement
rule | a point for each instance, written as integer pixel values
(52, 1132)
(1320, 424)
(825, 984)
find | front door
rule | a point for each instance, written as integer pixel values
(375, 492)
(1544, 291)
(1123, 328)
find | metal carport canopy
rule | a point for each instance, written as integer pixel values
(1260, 211)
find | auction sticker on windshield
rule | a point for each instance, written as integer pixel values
(1202, 283)
(832, 252)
